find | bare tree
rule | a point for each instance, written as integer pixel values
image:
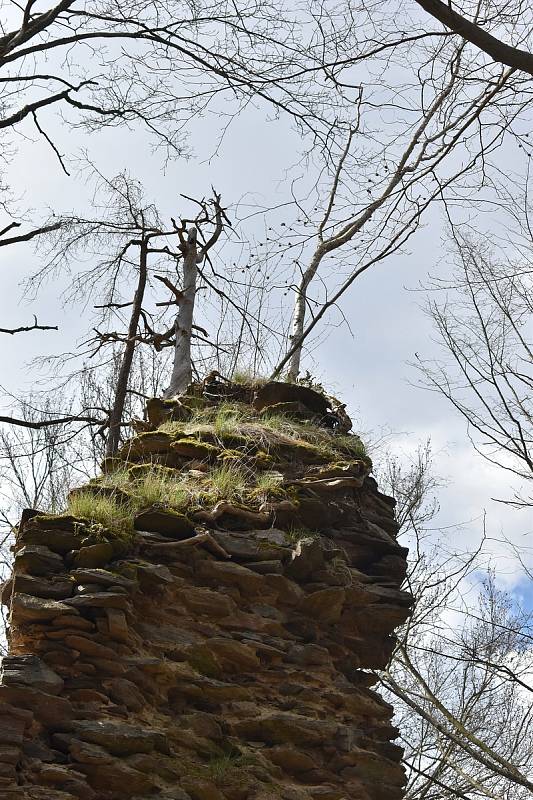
(35, 470)
(149, 60)
(37, 467)
(163, 65)
(193, 255)
(460, 677)
(151, 63)
(117, 409)
(484, 323)
(463, 690)
(160, 66)
(420, 170)
(130, 240)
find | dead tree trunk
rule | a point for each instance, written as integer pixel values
(115, 417)
(182, 370)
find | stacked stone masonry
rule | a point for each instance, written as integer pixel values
(225, 653)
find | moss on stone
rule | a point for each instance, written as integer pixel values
(193, 448)
(109, 465)
(65, 520)
(231, 457)
(263, 459)
(194, 403)
(166, 521)
(135, 472)
(149, 443)
(257, 496)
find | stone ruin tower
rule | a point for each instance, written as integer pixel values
(201, 623)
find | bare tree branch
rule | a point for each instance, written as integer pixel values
(499, 51)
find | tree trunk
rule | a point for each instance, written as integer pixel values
(182, 370)
(298, 318)
(115, 417)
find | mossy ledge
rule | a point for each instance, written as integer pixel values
(199, 624)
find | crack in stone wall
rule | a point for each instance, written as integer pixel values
(217, 654)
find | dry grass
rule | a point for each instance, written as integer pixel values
(245, 377)
(246, 433)
(174, 429)
(226, 768)
(295, 534)
(103, 511)
(154, 488)
(227, 482)
(268, 484)
(228, 419)
(233, 420)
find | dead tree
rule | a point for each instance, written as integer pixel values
(183, 330)
(134, 243)
(26, 328)
(182, 369)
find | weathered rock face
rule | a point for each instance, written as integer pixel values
(217, 652)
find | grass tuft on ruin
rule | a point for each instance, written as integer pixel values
(102, 513)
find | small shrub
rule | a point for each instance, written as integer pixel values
(340, 567)
(225, 768)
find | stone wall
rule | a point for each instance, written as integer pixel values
(218, 653)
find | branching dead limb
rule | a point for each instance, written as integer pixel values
(35, 327)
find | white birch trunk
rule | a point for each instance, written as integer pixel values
(181, 376)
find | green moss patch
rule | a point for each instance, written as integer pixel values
(145, 444)
(193, 448)
(159, 411)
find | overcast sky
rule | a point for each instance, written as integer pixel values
(367, 366)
